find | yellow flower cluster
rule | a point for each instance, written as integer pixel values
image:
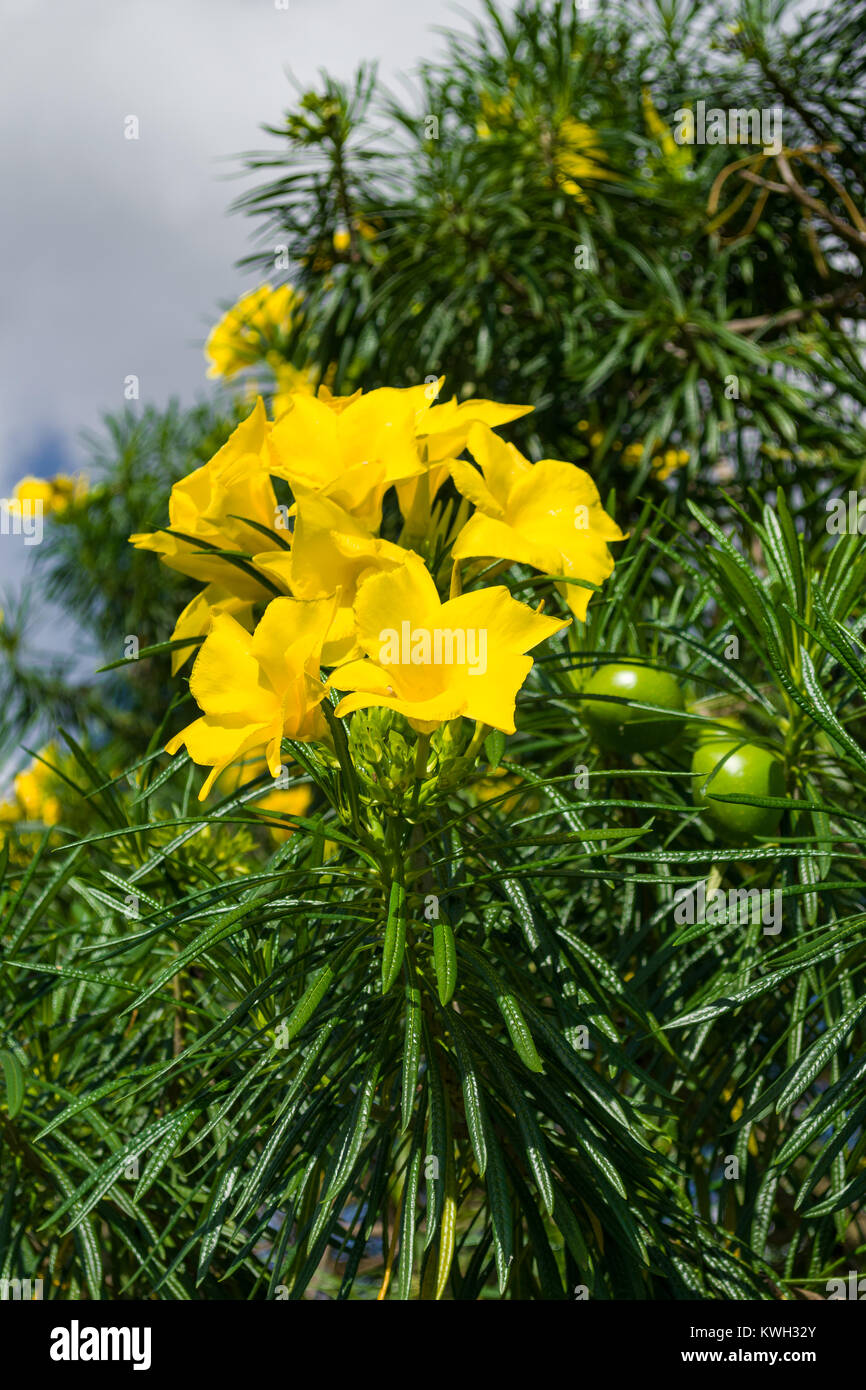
(578, 157)
(314, 594)
(34, 794)
(572, 149)
(254, 331)
(677, 159)
(494, 112)
(55, 494)
(662, 464)
(251, 330)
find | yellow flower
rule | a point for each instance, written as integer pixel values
(32, 490)
(578, 156)
(34, 790)
(254, 690)
(54, 494)
(499, 782)
(669, 462)
(331, 552)
(290, 381)
(293, 801)
(196, 619)
(206, 504)
(435, 661)
(662, 465)
(677, 158)
(67, 489)
(337, 403)
(494, 113)
(353, 454)
(442, 431)
(244, 334)
(547, 515)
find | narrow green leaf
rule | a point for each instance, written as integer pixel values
(444, 960)
(14, 1078)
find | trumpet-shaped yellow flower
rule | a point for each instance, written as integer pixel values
(353, 454)
(442, 431)
(350, 449)
(294, 801)
(254, 690)
(435, 661)
(206, 506)
(445, 428)
(250, 328)
(547, 515)
(337, 403)
(331, 552)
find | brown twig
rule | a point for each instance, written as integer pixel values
(790, 185)
(841, 296)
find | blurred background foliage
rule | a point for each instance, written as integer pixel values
(686, 322)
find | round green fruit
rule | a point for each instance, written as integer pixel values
(748, 770)
(621, 728)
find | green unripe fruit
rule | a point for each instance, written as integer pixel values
(621, 728)
(747, 771)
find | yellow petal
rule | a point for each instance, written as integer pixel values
(225, 678)
(473, 487)
(196, 619)
(212, 743)
(486, 537)
(447, 430)
(502, 465)
(289, 637)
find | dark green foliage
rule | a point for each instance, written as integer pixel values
(472, 272)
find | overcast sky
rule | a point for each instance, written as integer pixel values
(118, 253)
